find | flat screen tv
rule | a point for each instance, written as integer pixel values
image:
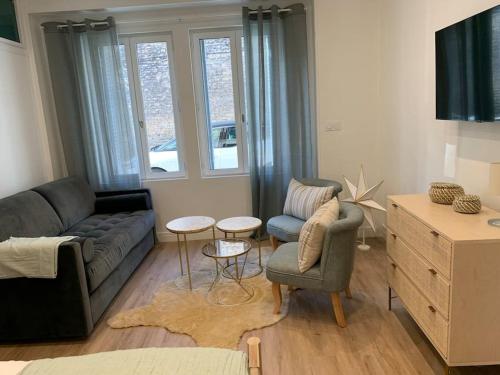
(468, 69)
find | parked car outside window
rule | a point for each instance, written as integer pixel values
(163, 157)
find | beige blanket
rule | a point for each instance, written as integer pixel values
(12, 367)
(30, 257)
(150, 361)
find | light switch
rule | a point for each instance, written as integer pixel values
(333, 126)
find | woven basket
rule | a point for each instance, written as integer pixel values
(467, 204)
(444, 192)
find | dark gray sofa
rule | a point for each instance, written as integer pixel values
(115, 232)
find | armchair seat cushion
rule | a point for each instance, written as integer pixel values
(285, 228)
(114, 235)
(283, 268)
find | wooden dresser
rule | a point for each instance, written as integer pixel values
(445, 268)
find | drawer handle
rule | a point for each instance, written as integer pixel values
(433, 271)
(434, 233)
(394, 265)
(432, 308)
(394, 235)
(395, 205)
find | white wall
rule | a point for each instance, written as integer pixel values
(375, 75)
(21, 152)
(347, 47)
(414, 140)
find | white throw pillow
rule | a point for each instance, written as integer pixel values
(302, 200)
(313, 233)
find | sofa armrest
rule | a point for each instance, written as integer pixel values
(123, 201)
(39, 309)
(86, 245)
(110, 193)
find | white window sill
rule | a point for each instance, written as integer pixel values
(226, 175)
(165, 178)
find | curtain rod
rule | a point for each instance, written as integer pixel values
(285, 10)
(92, 24)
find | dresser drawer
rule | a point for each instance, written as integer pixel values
(393, 215)
(423, 311)
(424, 276)
(427, 242)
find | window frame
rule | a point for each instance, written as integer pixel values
(131, 41)
(235, 36)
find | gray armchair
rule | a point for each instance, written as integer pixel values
(286, 228)
(331, 273)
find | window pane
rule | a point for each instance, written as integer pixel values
(219, 102)
(159, 119)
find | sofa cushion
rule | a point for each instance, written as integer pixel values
(71, 197)
(114, 236)
(285, 228)
(283, 268)
(28, 214)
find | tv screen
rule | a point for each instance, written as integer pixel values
(468, 69)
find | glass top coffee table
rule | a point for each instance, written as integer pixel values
(221, 251)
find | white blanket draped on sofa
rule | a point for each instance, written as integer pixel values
(30, 257)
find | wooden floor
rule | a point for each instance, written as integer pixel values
(308, 341)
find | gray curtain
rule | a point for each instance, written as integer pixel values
(95, 123)
(282, 138)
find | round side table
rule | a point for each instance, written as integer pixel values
(242, 224)
(189, 225)
(221, 251)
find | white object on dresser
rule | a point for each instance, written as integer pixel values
(445, 268)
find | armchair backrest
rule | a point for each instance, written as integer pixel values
(337, 258)
(337, 187)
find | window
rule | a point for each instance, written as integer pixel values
(152, 74)
(218, 78)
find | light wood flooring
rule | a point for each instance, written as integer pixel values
(308, 341)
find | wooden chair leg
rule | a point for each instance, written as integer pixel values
(277, 297)
(338, 310)
(274, 242)
(348, 292)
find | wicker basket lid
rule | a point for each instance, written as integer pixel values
(445, 185)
